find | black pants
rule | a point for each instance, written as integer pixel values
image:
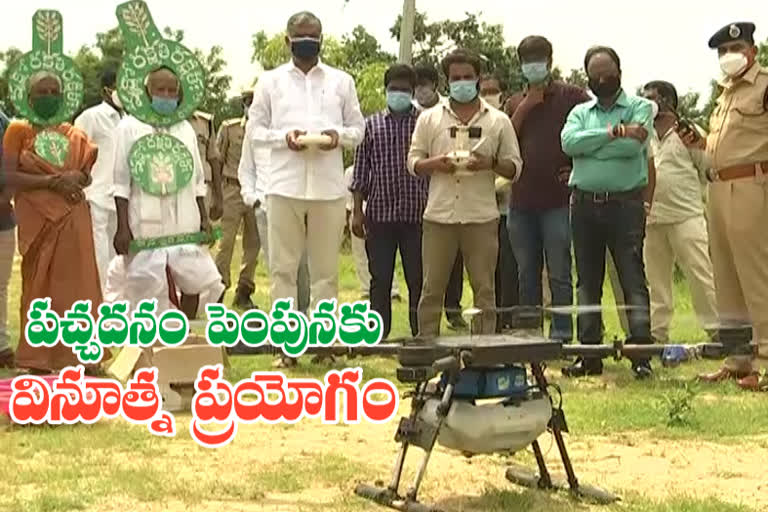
(455, 288)
(507, 289)
(382, 244)
(619, 225)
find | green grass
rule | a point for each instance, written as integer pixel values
(57, 469)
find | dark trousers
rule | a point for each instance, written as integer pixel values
(619, 226)
(506, 279)
(455, 288)
(382, 244)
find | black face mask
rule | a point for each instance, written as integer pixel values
(607, 89)
(305, 48)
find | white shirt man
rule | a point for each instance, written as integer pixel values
(305, 190)
(191, 266)
(99, 123)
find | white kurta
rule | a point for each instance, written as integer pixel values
(191, 266)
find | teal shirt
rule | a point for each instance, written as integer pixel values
(600, 163)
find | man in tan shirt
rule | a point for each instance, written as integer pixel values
(230, 145)
(202, 123)
(676, 229)
(461, 213)
(738, 204)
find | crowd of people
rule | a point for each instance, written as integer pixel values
(509, 187)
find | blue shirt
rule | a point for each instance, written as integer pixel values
(6, 221)
(602, 163)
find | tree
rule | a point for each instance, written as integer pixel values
(8, 59)
(358, 53)
(578, 78)
(434, 40)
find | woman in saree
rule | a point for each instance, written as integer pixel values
(55, 238)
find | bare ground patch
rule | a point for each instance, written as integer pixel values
(310, 466)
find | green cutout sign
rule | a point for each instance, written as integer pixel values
(161, 164)
(46, 56)
(52, 147)
(147, 51)
(147, 244)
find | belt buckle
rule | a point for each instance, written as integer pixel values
(599, 197)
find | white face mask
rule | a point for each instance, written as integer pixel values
(494, 100)
(655, 109)
(116, 100)
(424, 94)
(732, 64)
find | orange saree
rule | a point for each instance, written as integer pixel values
(55, 241)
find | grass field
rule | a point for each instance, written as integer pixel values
(666, 445)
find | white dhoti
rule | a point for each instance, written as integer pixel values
(191, 267)
(104, 223)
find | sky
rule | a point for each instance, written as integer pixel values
(655, 39)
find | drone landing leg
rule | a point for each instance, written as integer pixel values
(545, 481)
(410, 431)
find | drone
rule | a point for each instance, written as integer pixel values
(487, 394)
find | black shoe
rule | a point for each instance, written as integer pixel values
(243, 300)
(642, 370)
(583, 368)
(456, 323)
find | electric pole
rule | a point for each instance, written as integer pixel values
(406, 31)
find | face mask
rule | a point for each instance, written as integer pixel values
(464, 91)
(655, 109)
(46, 106)
(425, 95)
(607, 89)
(732, 64)
(305, 47)
(494, 100)
(399, 101)
(164, 106)
(535, 72)
(116, 100)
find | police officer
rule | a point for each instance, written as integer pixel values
(202, 122)
(738, 204)
(230, 144)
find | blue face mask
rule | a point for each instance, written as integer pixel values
(164, 106)
(464, 91)
(535, 72)
(399, 101)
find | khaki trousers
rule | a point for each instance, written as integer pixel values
(479, 245)
(235, 214)
(7, 252)
(294, 225)
(687, 243)
(738, 216)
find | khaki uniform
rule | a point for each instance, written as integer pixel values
(202, 123)
(738, 207)
(676, 231)
(230, 144)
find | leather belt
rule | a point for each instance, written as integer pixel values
(604, 197)
(231, 181)
(741, 171)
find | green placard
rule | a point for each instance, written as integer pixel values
(161, 164)
(46, 55)
(146, 51)
(52, 147)
(146, 244)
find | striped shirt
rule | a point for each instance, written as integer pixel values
(392, 194)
